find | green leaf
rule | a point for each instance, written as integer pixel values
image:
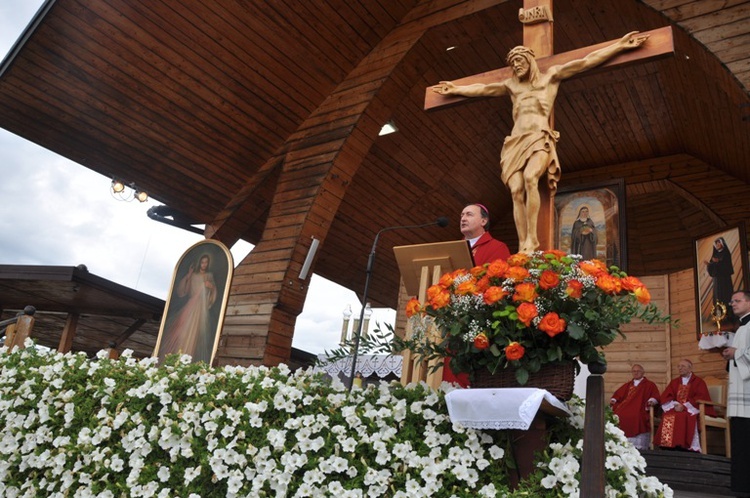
(495, 350)
(575, 331)
(522, 376)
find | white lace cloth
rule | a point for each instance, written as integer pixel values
(379, 364)
(721, 340)
(507, 408)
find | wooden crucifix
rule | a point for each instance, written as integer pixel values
(529, 152)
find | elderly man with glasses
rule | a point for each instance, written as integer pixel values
(630, 403)
(679, 401)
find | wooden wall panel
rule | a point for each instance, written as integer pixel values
(645, 344)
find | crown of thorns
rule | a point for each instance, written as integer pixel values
(520, 50)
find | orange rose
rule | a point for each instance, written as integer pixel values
(481, 341)
(609, 284)
(556, 254)
(466, 288)
(477, 271)
(517, 273)
(549, 280)
(446, 280)
(642, 294)
(518, 259)
(514, 351)
(631, 283)
(497, 268)
(552, 324)
(459, 273)
(574, 289)
(525, 292)
(526, 312)
(413, 307)
(440, 299)
(483, 284)
(591, 268)
(494, 294)
(434, 290)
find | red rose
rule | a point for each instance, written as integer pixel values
(552, 324)
(514, 351)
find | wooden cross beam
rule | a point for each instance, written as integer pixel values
(533, 206)
(660, 44)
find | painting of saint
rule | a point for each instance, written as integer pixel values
(590, 221)
(720, 270)
(583, 235)
(197, 300)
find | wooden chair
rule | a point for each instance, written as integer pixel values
(717, 388)
(654, 416)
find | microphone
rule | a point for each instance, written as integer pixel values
(441, 222)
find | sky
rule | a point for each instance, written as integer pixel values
(56, 212)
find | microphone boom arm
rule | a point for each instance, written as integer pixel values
(442, 222)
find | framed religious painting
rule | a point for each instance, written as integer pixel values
(197, 300)
(720, 270)
(590, 220)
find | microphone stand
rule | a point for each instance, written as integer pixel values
(441, 222)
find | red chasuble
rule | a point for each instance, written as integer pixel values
(678, 429)
(631, 406)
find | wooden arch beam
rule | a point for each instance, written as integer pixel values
(321, 159)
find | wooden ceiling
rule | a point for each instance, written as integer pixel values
(198, 103)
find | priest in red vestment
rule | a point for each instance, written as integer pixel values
(475, 220)
(630, 403)
(679, 424)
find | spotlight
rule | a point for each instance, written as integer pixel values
(117, 186)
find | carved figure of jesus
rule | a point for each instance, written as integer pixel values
(530, 150)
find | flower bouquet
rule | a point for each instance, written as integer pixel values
(526, 312)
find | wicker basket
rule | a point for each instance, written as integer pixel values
(557, 378)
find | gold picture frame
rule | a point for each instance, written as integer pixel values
(603, 236)
(718, 277)
(194, 312)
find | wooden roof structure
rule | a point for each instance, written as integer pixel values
(261, 119)
(105, 312)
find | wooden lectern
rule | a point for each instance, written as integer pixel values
(421, 266)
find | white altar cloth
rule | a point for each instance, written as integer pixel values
(720, 340)
(506, 408)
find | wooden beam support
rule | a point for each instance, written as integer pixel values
(69, 333)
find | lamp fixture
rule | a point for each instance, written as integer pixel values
(117, 186)
(388, 128)
(119, 192)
